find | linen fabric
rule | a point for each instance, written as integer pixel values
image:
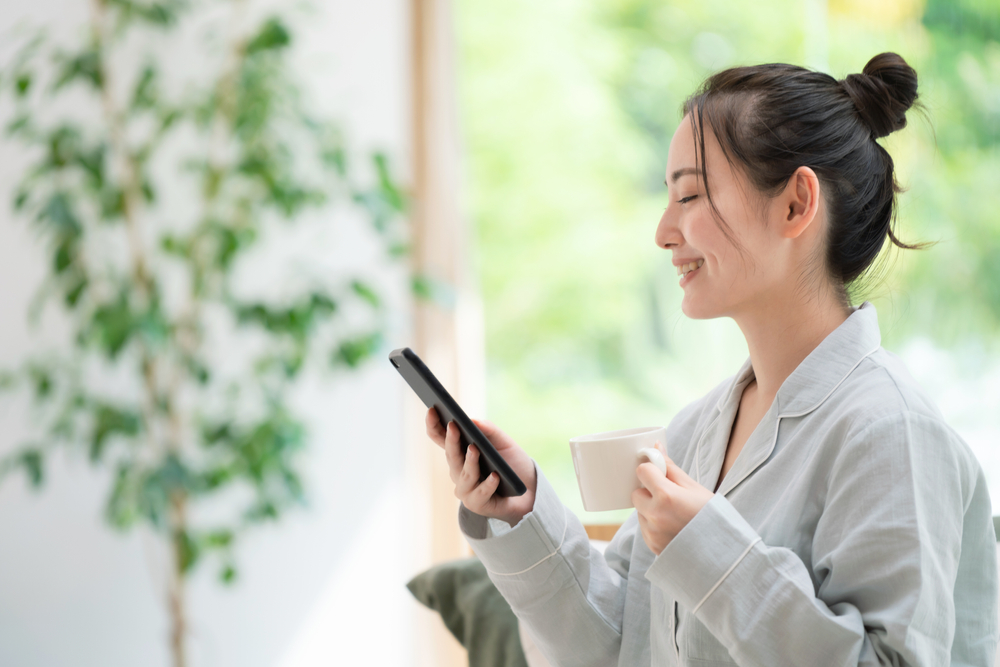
(853, 529)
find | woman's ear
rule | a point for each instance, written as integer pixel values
(800, 202)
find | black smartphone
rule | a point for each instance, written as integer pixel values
(433, 394)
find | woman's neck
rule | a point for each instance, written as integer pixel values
(782, 332)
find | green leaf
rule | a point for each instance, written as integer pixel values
(113, 325)
(31, 460)
(85, 66)
(112, 202)
(174, 245)
(217, 539)
(122, 508)
(390, 192)
(296, 322)
(272, 35)
(352, 352)
(228, 574)
(92, 163)
(263, 510)
(198, 370)
(58, 212)
(188, 550)
(22, 82)
(228, 241)
(20, 199)
(160, 13)
(145, 94)
(336, 157)
(215, 433)
(321, 305)
(215, 477)
(148, 192)
(108, 422)
(366, 293)
(19, 125)
(65, 254)
(76, 290)
(41, 381)
(430, 289)
(152, 498)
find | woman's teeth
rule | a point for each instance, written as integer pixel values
(684, 269)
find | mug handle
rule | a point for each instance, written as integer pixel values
(654, 456)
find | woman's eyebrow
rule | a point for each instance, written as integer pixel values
(681, 172)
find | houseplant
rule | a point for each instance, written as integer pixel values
(153, 189)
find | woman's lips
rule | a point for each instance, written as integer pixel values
(688, 277)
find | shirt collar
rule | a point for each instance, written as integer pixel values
(824, 369)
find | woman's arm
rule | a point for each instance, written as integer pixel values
(905, 513)
(570, 596)
(538, 555)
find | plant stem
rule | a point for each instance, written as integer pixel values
(144, 285)
(178, 617)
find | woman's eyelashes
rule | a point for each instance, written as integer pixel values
(684, 200)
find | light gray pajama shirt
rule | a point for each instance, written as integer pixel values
(853, 529)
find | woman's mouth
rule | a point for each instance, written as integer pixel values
(688, 271)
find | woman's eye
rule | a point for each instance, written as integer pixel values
(684, 200)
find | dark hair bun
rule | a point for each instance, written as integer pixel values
(883, 92)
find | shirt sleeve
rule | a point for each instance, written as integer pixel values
(569, 595)
(882, 584)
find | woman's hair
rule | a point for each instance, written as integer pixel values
(772, 119)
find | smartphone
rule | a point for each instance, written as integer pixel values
(433, 394)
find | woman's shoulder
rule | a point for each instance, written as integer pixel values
(882, 389)
(881, 400)
(888, 385)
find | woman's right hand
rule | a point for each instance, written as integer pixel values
(464, 470)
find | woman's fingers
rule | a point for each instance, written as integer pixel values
(435, 430)
(482, 496)
(453, 452)
(468, 480)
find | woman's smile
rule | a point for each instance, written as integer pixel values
(687, 271)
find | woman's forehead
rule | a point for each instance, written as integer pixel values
(682, 157)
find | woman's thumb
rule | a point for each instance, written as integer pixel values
(676, 475)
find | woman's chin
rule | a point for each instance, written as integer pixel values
(695, 310)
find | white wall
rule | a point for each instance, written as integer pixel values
(324, 586)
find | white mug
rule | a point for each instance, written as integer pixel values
(605, 464)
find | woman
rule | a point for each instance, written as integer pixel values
(816, 509)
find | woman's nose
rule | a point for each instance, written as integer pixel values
(667, 232)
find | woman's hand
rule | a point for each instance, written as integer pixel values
(464, 470)
(666, 503)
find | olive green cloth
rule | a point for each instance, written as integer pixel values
(473, 610)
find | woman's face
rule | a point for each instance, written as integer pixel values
(726, 282)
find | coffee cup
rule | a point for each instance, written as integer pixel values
(605, 464)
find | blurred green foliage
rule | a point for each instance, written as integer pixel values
(568, 110)
(141, 387)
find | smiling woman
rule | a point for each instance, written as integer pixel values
(834, 137)
(816, 507)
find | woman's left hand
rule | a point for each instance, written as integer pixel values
(666, 503)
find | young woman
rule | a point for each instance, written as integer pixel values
(817, 509)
